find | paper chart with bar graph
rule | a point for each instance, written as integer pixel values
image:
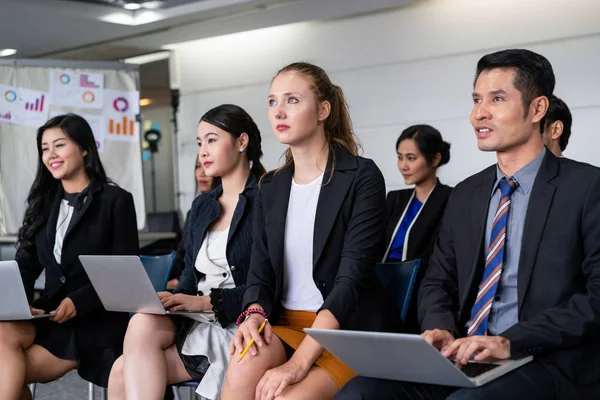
(120, 111)
(20, 106)
(76, 89)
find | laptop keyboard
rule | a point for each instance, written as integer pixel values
(473, 370)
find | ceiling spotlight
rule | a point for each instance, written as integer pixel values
(7, 52)
(132, 6)
(152, 4)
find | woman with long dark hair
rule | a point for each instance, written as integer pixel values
(72, 209)
(160, 350)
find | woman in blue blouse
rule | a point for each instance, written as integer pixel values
(415, 214)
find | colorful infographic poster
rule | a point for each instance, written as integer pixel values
(26, 107)
(76, 89)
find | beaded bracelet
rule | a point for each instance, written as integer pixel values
(243, 316)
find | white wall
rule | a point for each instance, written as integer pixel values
(400, 67)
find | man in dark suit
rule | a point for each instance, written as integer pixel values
(516, 268)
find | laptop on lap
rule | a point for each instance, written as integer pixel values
(404, 357)
(123, 285)
(13, 299)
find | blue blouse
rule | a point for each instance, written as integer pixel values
(397, 247)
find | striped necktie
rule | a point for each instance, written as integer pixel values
(493, 262)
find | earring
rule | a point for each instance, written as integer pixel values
(241, 149)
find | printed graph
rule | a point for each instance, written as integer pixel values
(86, 82)
(125, 127)
(38, 105)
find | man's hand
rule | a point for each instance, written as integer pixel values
(481, 346)
(438, 338)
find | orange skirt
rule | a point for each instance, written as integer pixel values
(290, 332)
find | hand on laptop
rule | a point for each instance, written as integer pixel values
(184, 302)
(438, 338)
(36, 311)
(65, 311)
(481, 347)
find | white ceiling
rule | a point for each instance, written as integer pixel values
(73, 30)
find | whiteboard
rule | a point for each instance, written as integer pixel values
(18, 153)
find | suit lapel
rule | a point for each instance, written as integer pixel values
(275, 211)
(477, 223)
(428, 211)
(332, 196)
(241, 206)
(540, 201)
(53, 218)
(77, 216)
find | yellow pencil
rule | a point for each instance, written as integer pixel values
(251, 342)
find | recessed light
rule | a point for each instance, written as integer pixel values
(145, 102)
(152, 4)
(7, 52)
(132, 6)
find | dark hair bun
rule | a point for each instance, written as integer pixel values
(444, 150)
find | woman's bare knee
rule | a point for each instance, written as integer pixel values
(148, 330)
(17, 334)
(244, 375)
(116, 380)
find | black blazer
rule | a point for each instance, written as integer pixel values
(559, 268)
(106, 225)
(226, 303)
(423, 233)
(348, 241)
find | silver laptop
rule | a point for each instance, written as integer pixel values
(123, 285)
(13, 300)
(404, 357)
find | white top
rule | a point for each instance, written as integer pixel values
(212, 262)
(65, 213)
(207, 337)
(299, 289)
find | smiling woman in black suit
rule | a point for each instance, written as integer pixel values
(72, 209)
(415, 214)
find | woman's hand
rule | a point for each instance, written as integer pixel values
(65, 311)
(36, 311)
(248, 330)
(276, 380)
(184, 302)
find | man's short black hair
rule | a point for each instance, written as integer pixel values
(559, 111)
(534, 75)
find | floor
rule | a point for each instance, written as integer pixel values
(72, 387)
(69, 387)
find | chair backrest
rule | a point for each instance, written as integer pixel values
(166, 221)
(398, 280)
(158, 269)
